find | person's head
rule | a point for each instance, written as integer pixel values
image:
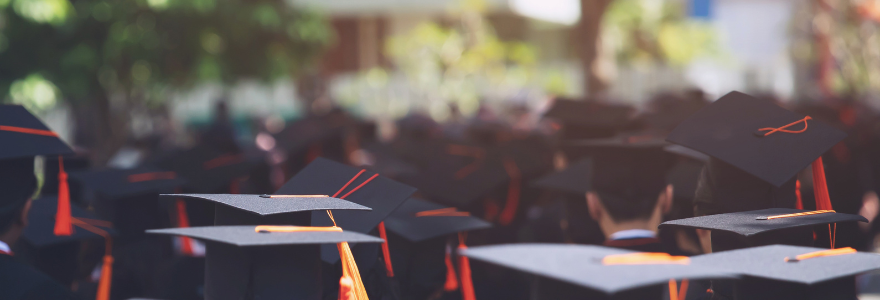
(629, 187)
(17, 186)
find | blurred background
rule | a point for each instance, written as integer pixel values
(406, 86)
(106, 74)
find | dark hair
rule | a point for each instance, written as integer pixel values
(11, 216)
(17, 185)
(629, 207)
(629, 182)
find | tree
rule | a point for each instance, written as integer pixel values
(589, 30)
(117, 55)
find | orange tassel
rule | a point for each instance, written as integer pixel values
(107, 267)
(451, 280)
(464, 265)
(106, 278)
(351, 287)
(385, 253)
(183, 222)
(63, 227)
(820, 187)
(797, 192)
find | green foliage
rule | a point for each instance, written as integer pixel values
(650, 31)
(437, 65)
(89, 48)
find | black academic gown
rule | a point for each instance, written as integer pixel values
(19, 281)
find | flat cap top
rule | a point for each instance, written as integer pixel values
(582, 265)
(246, 236)
(265, 205)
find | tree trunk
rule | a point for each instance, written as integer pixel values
(589, 31)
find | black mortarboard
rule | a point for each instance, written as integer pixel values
(243, 263)
(41, 223)
(464, 174)
(208, 169)
(239, 209)
(573, 179)
(739, 130)
(775, 272)
(417, 220)
(364, 187)
(589, 119)
(122, 183)
(628, 172)
(687, 152)
(762, 227)
(583, 265)
(24, 135)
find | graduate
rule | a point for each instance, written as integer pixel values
(23, 136)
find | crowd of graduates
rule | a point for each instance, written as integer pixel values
(562, 202)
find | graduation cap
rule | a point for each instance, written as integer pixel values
(589, 119)
(207, 169)
(601, 270)
(686, 152)
(419, 220)
(791, 272)
(271, 262)
(466, 173)
(122, 183)
(364, 187)
(40, 233)
(24, 137)
(239, 209)
(761, 139)
(41, 221)
(762, 227)
(575, 179)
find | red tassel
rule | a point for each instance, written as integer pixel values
(513, 191)
(464, 265)
(183, 222)
(451, 280)
(385, 253)
(797, 192)
(63, 227)
(106, 278)
(820, 188)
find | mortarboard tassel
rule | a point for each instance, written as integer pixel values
(389, 270)
(513, 191)
(351, 286)
(183, 222)
(797, 192)
(451, 283)
(464, 266)
(107, 267)
(63, 227)
(820, 187)
(451, 280)
(386, 254)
